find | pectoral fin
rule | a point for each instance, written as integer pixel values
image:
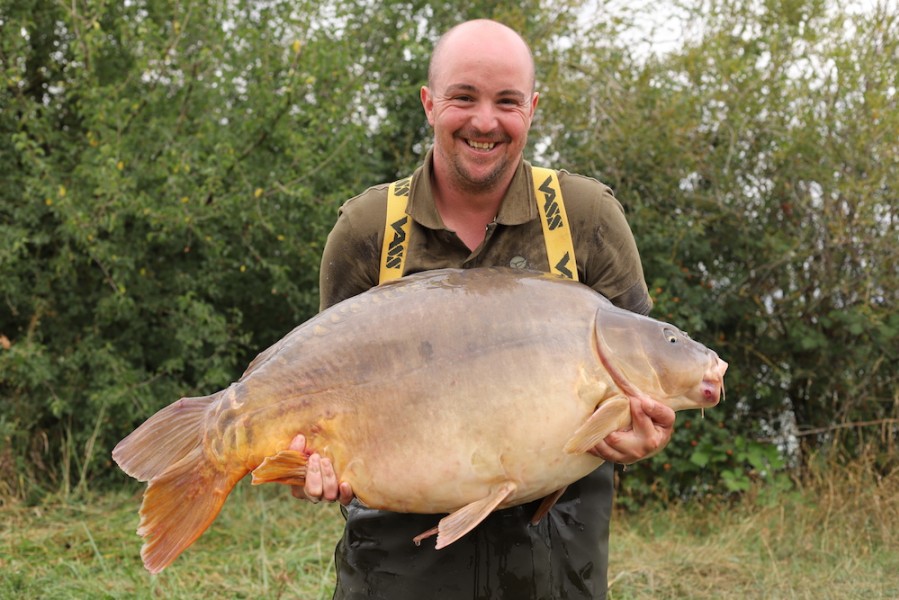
(287, 466)
(547, 504)
(612, 415)
(455, 525)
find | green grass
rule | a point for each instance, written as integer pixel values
(834, 538)
(837, 537)
(264, 544)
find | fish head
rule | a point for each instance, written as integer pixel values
(645, 356)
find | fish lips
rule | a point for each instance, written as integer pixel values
(712, 386)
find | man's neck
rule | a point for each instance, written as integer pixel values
(468, 213)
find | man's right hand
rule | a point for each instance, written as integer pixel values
(321, 480)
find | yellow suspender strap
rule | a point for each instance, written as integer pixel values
(396, 231)
(556, 232)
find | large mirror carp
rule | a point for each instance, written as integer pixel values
(451, 391)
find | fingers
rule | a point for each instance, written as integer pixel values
(329, 481)
(604, 451)
(652, 424)
(658, 414)
(322, 483)
(321, 479)
(314, 487)
(345, 493)
(298, 443)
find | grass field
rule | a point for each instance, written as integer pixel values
(838, 537)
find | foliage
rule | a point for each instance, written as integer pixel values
(172, 170)
(706, 458)
(172, 173)
(759, 166)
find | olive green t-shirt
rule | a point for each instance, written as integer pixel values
(604, 247)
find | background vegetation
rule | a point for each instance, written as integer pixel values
(170, 172)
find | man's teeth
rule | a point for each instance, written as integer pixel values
(481, 145)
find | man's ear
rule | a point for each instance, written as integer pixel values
(427, 102)
(534, 102)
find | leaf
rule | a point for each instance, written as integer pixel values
(699, 458)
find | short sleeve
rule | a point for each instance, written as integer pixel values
(352, 252)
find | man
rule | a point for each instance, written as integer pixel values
(472, 204)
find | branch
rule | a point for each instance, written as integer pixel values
(818, 430)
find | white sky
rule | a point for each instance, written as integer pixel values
(660, 26)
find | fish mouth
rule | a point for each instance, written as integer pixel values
(712, 386)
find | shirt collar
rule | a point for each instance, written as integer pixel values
(518, 205)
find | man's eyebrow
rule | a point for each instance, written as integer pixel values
(467, 87)
(517, 94)
(455, 88)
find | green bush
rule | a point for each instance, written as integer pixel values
(167, 192)
(759, 167)
(170, 173)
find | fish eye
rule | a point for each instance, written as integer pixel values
(670, 336)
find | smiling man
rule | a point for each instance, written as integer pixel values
(475, 202)
(480, 100)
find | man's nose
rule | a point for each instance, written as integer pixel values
(484, 119)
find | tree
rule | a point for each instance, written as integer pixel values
(173, 172)
(760, 173)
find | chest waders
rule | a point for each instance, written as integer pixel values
(550, 206)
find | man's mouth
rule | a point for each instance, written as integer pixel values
(481, 145)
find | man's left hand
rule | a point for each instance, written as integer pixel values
(652, 424)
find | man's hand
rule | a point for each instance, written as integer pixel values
(652, 424)
(321, 480)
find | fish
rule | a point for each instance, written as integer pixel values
(454, 391)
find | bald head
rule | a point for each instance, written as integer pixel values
(475, 36)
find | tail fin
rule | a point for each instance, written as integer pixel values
(186, 490)
(164, 439)
(179, 505)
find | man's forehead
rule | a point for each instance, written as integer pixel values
(491, 69)
(483, 47)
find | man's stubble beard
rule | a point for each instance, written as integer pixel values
(466, 182)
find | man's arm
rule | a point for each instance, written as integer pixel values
(351, 257)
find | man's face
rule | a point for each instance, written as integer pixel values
(480, 105)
